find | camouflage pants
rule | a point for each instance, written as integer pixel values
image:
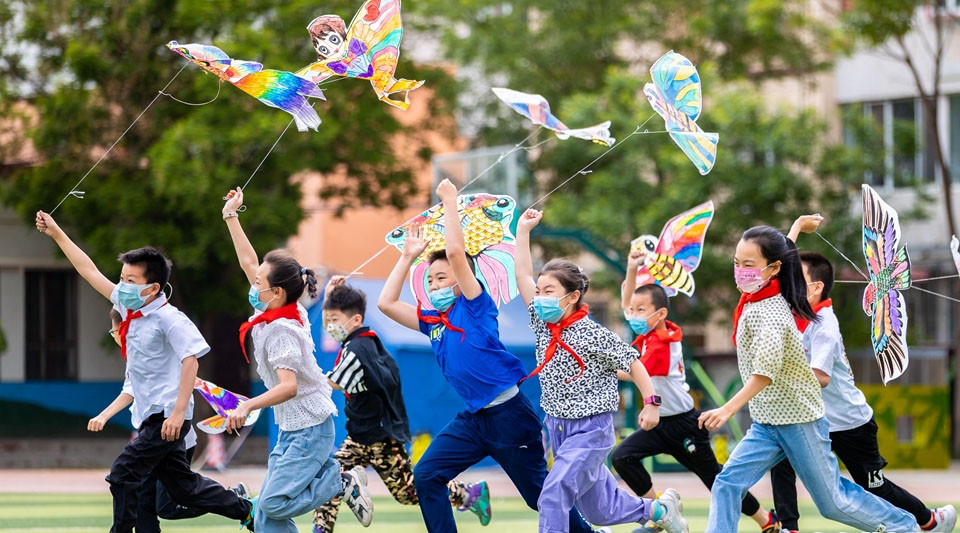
(390, 460)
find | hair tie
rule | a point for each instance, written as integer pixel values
(303, 271)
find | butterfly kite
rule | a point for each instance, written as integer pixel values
(676, 95)
(276, 88)
(223, 402)
(955, 251)
(485, 220)
(670, 260)
(537, 109)
(368, 50)
(889, 268)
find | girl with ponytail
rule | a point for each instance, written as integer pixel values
(784, 396)
(301, 475)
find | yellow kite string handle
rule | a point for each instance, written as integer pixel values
(79, 194)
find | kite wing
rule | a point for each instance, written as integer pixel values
(677, 253)
(955, 251)
(537, 109)
(889, 267)
(223, 403)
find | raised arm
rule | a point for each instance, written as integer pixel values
(630, 281)
(805, 224)
(524, 262)
(80, 261)
(456, 249)
(389, 301)
(245, 252)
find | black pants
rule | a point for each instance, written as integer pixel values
(680, 437)
(858, 450)
(167, 460)
(155, 503)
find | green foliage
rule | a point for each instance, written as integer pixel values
(89, 67)
(3, 341)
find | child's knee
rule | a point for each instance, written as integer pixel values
(424, 473)
(273, 507)
(621, 458)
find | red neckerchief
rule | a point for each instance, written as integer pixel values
(672, 333)
(556, 330)
(124, 328)
(368, 333)
(441, 318)
(288, 311)
(772, 289)
(803, 323)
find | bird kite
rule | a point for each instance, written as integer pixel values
(889, 268)
(368, 50)
(676, 95)
(485, 219)
(276, 88)
(670, 260)
(223, 402)
(537, 109)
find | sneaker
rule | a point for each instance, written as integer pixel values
(603, 530)
(241, 490)
(672, 521)
(478, 502)
(773, 524)
(649, 527)
(248, 521)
(356, 496)
(946, 518)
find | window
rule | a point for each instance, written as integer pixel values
(904, 141)
(51, 325)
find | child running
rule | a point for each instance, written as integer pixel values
(301, 475)
(658, 340)
(578, 364)
(377, 424)
(498, 421)
(853, 431)
(784, 396)
(160, 346)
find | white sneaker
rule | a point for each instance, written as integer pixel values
(356, 495)
(946, 518)
(672, 521)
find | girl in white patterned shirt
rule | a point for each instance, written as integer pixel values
(784, 396)
(301, 475)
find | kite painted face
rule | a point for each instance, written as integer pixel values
(328, 33)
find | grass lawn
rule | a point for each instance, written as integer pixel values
(92, 513)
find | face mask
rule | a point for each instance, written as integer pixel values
(548, 308)
(254, 297)
(750, 279)
(443, 298)
(128, 294)
(638, 325)
(337, 331)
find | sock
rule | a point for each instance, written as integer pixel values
(932, 524)
(658, 511)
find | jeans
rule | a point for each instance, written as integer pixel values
(807, 446)
(301, 476)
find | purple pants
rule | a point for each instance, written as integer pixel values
(580, 477)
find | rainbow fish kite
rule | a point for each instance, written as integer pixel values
(675, 95)
(485, 219)
(276, 88)
(670, 260)
(369, 50)
(223, 402)
(537, 109)
(889, 267)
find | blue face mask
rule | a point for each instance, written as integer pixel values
(442, 299)
(639, 325)
(254, 297)
(548, 308)
(128, 294)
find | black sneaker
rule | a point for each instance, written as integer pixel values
(241, 490)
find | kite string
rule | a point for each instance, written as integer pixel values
(102, 156)
(951, 276)
(835, 249)
(936, 294)
(175, 99)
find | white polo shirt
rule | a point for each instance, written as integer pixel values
(157, 343)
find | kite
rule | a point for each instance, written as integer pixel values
(675, 95)
(670, 260)
(223, 402)
(369, 50)
(889, 267)
(485, 219)
(276, 88)
(955, 251)
(537, 109)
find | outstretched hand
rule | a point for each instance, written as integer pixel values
(635, 259)
(233, 202)
(529, 219)
(333, 283)
(808, 223)
(414, 243)
(47, 224)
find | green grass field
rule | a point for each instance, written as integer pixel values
(92, 513)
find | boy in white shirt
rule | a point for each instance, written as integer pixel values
(160, 346)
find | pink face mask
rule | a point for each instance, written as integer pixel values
(750, 279)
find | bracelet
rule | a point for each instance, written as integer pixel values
(230, 215)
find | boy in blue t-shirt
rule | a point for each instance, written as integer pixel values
(499, 421)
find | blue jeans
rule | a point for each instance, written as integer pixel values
(301, 476)
(510, 434)
(807, 446)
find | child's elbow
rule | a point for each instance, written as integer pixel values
(290, 392)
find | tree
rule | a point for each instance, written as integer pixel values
(86, 69)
